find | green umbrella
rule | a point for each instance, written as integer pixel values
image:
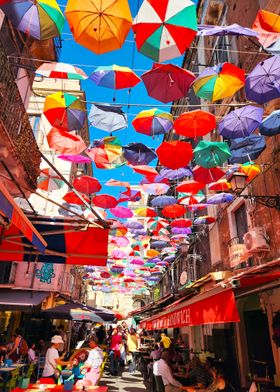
(211, 154)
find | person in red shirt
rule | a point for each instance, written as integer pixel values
(115, 351)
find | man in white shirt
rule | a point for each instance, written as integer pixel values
(53, 359)
(93, 364)
(162, 369)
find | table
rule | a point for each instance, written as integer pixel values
(60, 388)
(5, 369)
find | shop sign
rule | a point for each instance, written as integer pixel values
(237, 255)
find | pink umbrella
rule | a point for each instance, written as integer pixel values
(137, 262)
(79, 159)
(120, 241)
(156, 188)
(122, 212)
(118, 254)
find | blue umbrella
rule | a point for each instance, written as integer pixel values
(158, 244)
(220, 198)
(163, 201)
(138, 154)
(107, 117)
(169, 259)
(240, 122)
(246, 149)
(271, 125)
(176, 174)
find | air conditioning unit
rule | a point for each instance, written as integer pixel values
(255, 240)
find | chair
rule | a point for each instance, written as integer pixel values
(102, 368)
(159, 384)
(12, 382)
(30, 370)
(40, 365)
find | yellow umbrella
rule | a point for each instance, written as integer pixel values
(99, 25)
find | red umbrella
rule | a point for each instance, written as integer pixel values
(130, 195)
(206, 176)
(181, 223)
(174, 211)
(219, 186)
(188, 200)
(195, 123)
(65, 142)
(87, 185)
(145, 170)
(105, 201)
(72, 198)
(174, 154)
(197, 207)
(105, 275)
(190, 186)
(113, 182)
(167, 82)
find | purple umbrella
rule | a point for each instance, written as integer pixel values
(240, 122)
(154, 260)
(153, 180)
(220, 198)
(181, 230)
(263, 83)
(79, 159)
(169, 259)
(137, 232)
(134, 225)
(163, 201)
(158, 244)
(175, 174)
(234, 29)
(138, 154)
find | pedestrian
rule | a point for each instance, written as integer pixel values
(101, 334)
(53, 359)
(165, 340)
(161, 368)
(115, 352)
(132, 346)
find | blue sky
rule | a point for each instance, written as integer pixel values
(126, 56)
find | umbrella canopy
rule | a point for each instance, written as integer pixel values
(164, 30)
(271, 125)
(145, 212)
(156, 224)
(156, 188)
(100, 26)
(233, 29)
(106, 153)
(145, 170)
(181, 231)
(267, 26)
(188, 200)
(138, 154)
(250, 169)
(65, 111)
(130, 195)
(197, 207)
(114, 77)
(158, 244)
(195, 123)
(174, 211)
(113, 182)
(174, 154)
(218, 82)
(176, 174)
(263, 83)
(109, 118)
(204, 220)
(190, 186)
(211, 154)
(153, 122)
(167, 82)
(134, 225)
(246, 149)
(219, 186)
(122, 212)
(122, 242)
(105, 201)
(205, 176)
(118, 254)
(181, 223)
(72, 198)
(163, 201)
(240, 122)
(78, 159)
(220, 198)
(78, 312)
(61, 71)
(41, 20)
(49, 180)
(65, 142)
(87, 185)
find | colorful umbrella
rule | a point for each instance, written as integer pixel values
(218, 82)
(233, 29)
(41, 19)
(220, 198)
(263, 83)
(100, 26)
(219, 186)
(122, 242)
(240, 122)
(211, 154)
(65, 111)
(167, 82)
(87, 185)
(190, 186)
(105, 201)
(197, 207)
(174, 154)
(195, 123)
(107, 117)
(205, 176)
(134, 225)
(181, 230)
(164, 31)
(247, 148)
(138, 154)
(158, 244)
(145, 170)
(176, 174)
(271, 124)
(163, 201)
(152, 253)
(49, 180)
(156, 188)
(72, 198)
(78, 159)
(181, 223)
(65, 142)
(118, 254)
(156, 224)
(154, 180)
(122, 212)
(267, 25)
(145, 212)
(250, 169)
(118, 231)
(114, 77)
(106, 153)
(174, 211)
(188, 200)
(61, 71)
(204, 220)
(153, 122)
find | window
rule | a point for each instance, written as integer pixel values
(241, 222)
(35, 122)
(5, 272)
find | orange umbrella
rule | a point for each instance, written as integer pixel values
(100, 26)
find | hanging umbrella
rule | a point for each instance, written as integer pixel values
(105, 201)
(163, 201)
(113, 182)
(89, 215)
(119, 231)
(138, 154)
(211, 154)
(188, 200)
(106, 153)
(154, 180)
(134, 225)
(78, 159)
(220, 198)
(197, 207)
(130, 195)
(174, 211)
(145, 212)
(72, 198)
(153, 122)
(271, 124)
(118, 254)
(167, 82)
(41, 19)
(190, 186)
(122, 242)
(49, 180)
(176, 174)
(181, 223)
(194, 124)
(219, 186)
(263, 83)
(151, 253)
(174, 154)
(233, 29)
(87, 185)
(181, 231)
(65, 142)
(61, 71)
(163, 32)
(158, 244)
(137, 262)
(267, 26)
(204, 220)
(100, 26)
(114, 77)
(155, 189)
(156, 224)
(240, 122)
(107, 117)
(247, 149)
(145, 170)
(250, 169)
(205, 176)
(218, 82)
(117, 269)
(122, 212)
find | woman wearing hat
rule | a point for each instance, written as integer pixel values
(53, 359)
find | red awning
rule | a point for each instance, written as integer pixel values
(212, 307)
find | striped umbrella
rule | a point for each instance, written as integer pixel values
(49, 181)
(61, 71)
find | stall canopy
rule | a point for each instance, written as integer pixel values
(21, 299)
(213, 307)
(68, 242)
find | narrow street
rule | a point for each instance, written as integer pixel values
(124, 383)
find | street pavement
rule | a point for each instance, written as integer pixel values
(124, 383)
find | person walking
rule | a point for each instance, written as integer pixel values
(115, 352)
(132, 346)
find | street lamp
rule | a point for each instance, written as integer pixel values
(184, 247)
(237, 181)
